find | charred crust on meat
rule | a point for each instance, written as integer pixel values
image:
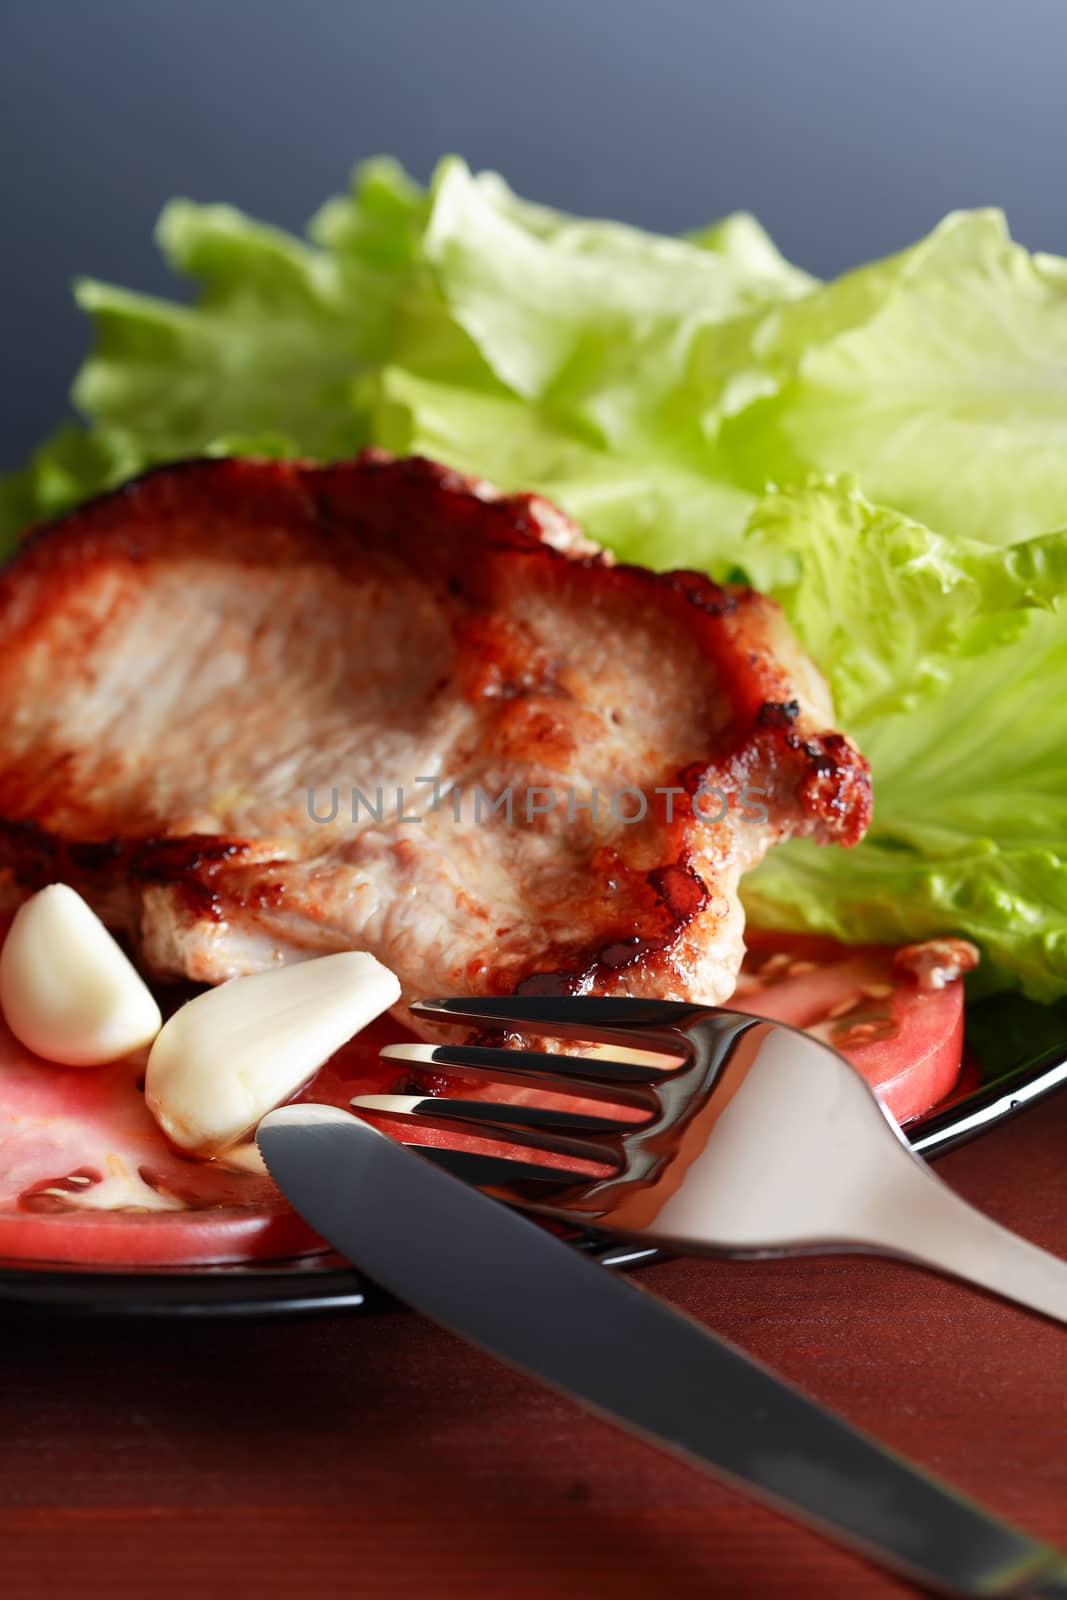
(681, 890)
(37, 857)
(838, 785)
(778, 713)
(624, 952)
(701, 591)
(551, 984)
(325, 500)
(679, 895)
(820, 758)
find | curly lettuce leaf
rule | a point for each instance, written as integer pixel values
(271, 346)
(742, 239)
(948, 662)
(937, 377)
(553, 353)
(379, 221)
(592, 322)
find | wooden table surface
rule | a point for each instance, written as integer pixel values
(372, 1455)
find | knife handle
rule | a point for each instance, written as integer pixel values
(500, 1281)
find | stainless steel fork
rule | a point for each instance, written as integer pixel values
(751, 1139)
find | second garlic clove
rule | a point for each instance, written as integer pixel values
(231, 1055)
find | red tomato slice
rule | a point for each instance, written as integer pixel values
(905, 1038)
(73, 1138)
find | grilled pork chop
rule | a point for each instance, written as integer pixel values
(258, 711)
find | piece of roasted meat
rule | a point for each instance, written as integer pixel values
(256, 711)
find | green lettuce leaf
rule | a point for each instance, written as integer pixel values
(271, 346)
(751, 250)
(553, 353)
(379, 221)
(948, 662)
(591, 322)
(938, 377)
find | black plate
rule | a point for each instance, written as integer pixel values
(1017, 1054)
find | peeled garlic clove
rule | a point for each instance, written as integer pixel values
(233, 1054)
(68, 991)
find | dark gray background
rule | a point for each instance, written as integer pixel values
(848, 127)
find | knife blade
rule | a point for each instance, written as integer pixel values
(507, 1286)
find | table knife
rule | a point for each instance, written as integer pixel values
(509, 1287)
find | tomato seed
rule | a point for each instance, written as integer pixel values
(843, 1007)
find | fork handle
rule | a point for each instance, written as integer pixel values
(919, 1217)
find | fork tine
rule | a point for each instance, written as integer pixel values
(495, 1172)
(476, 1112)
(625, 1082)
(412, 1111)
(643, 1024)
